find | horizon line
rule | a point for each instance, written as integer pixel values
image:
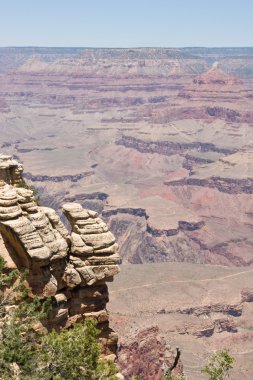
(125, 47)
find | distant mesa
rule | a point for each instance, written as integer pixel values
(212, 94)
(216, 76)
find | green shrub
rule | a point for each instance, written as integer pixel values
(219, 365)
(26, 353)
(74, 354)
(18, 312)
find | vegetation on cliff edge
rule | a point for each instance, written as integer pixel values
(27, 352)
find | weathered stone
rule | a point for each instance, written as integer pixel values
(98, 241)
(93, 291)
(88, 276)
(29, 207)
(92, 213)
(73, 207)
(10, 170)
(56, 222)
(70, 268)
(78, 247)
(103, 260)
(108, 250)
(24, 195)
(71, 276)
(12, 214)
(7, 202)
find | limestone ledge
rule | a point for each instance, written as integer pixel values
(71, 268)
(34, 236)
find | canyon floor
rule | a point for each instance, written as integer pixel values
(199, 308)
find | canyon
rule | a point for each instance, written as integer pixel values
(165, 131)
(159, 142)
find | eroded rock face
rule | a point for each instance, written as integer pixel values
(71, 268)
(10, 170)
(147, 355)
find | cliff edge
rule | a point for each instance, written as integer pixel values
(70, 267)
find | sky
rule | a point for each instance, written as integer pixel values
(126, 23)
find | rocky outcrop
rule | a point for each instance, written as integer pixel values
(190, 161)
(209, 328)
(225, 185)
(221, 113)
(10, 170)
(169, 148)
(67, 177)
(247, 295)
(212, 318)
(142, 243)
(182, 226)
(217, 326)
(126, 210)
(146, 354)
(215, 76)
(71, 268)
(88, 196)
(230, 310)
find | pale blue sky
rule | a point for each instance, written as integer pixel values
(126, 23)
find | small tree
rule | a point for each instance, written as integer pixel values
(219, 365)
(19, 311)
(74, 354)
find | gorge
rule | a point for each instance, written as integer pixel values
(158, 142)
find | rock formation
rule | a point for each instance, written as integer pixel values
(199, 308)
(147, 354)
(71, 268)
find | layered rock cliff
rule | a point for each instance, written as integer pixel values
(158, 140)
(70, 267)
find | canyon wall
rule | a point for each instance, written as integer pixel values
(157, 140)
